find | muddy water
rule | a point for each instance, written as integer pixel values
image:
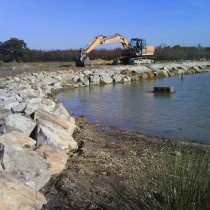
(184, 114)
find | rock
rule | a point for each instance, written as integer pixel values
(57, 77)
(35, 100)
(8, 105)
(76, 78)
(62, 112)
(117, 78)
(85, 81)
(17, 79)
(95, 79)
(28, 93)
(127, 72)
(145, 76)
(19, 108)
(17, 138)
(49, 102)
(151, 75)
(60, 138)
(20, 123)
(87, 72)
(14, 195)
(32, 107)
(106, 79)
(197, 69)
(47, 80)
(56, 85)
(67, 77)
(55, 156)
(11, 98)
(162, 73)
(26, 165)
(134, 77)
(180, 72)
(126, 79)
(54, 130)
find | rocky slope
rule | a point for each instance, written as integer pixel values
(38, 134)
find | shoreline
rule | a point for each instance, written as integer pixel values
(106, 155)
(52, 135)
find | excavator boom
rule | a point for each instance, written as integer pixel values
(101, 39)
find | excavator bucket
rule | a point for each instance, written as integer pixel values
(84, 62)
(79, 63)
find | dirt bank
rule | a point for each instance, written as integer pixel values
(108, 155)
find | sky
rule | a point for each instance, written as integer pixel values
(72, 24)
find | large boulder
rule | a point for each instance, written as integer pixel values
(7, 105)
(117, 78)
(145, 76)
(151, 75)
(162, 73)
(55, 156)
(85, 81)
(26, 165)
(95, 79)
(49, 102)
(19, 108)
(53, 129)
(28, 93)
(127, 72)
(197, 69)
(20, 123)
(106, 79)
(17, 138)
(14, 195)
(62, 112)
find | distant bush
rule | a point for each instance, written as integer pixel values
(178, 52)
(1, 63)
(162, 53)
(68, 55)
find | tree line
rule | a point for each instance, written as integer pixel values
(16, 50)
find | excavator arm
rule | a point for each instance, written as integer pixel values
(101, 39)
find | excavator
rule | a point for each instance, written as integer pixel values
(135, 52)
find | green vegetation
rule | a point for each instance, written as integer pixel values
(184, 184)
(177, 52)
(12, 50)
(16, 50)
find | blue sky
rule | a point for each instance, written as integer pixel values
(65, 24)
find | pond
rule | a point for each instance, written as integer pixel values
(184, 114)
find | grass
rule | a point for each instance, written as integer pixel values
(184, 185)
(189, 182)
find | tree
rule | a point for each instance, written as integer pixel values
(12, 49)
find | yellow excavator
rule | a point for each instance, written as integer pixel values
(135, 52)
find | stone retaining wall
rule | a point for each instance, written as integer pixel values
(36, 131)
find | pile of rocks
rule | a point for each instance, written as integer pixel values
(36, 138)
(36, 131)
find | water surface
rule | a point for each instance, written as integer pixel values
(184, 114)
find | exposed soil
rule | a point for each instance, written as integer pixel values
(11, 69)
(109, 155)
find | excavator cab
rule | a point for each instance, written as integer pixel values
(138, 46)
